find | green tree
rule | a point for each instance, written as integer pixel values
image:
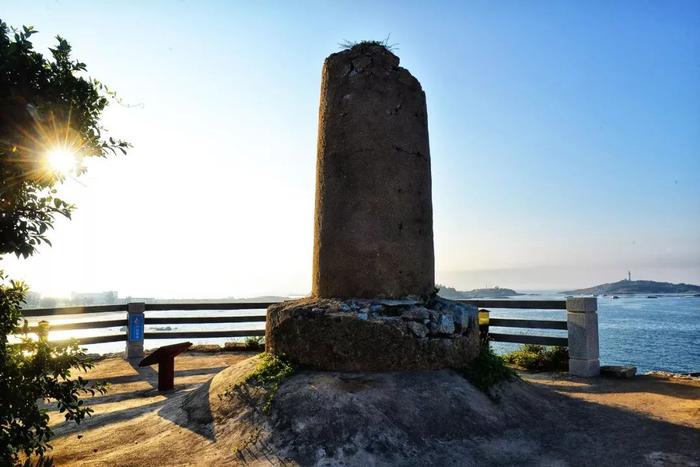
(47, 109)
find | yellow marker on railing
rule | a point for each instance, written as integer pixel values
(484, 318)
(483, 325)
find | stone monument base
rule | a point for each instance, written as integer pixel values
(373, 335)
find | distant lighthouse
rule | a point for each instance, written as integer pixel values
(629, 276)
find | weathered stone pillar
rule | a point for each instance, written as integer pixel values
(374, 219)
(374, 305)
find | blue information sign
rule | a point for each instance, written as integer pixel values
(135, 328)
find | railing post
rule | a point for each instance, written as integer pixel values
(134, 330)
(582, 324)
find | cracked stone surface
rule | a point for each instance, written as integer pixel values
(374, 219)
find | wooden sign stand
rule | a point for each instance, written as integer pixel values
(165, 358)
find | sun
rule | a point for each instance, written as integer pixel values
(61, 161)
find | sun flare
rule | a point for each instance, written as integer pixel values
(61, 160)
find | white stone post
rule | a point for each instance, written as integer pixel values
(134, 330)
(582, 324)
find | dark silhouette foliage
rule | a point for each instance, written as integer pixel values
(45, 103)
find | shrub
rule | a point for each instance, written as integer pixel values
(35, 370)
(254, 343)
(539, 358)
(487, 370)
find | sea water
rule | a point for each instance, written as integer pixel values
(651, 333)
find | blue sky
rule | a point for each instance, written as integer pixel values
(565, 140)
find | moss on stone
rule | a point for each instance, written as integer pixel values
(265, 379)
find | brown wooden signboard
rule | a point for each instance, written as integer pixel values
(165, 358)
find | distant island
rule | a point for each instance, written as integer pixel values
(627, 286)
(493, 292)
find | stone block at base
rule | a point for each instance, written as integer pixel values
(618, 371)
(373, 335)
(134, 350)
(584, 368)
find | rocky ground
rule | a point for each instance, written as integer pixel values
(400, 418)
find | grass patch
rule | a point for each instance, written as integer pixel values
(265, 380)
(254, 343)
(347, 45)
(487, 370)
(249, 343)
(539, 358)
